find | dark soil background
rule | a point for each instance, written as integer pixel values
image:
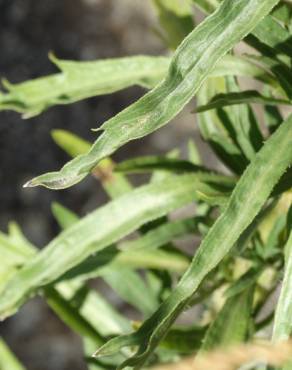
(80, 30)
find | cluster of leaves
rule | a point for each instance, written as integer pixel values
(242, 216)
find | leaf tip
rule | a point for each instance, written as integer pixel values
(53, 58)
(30, 184)
(96, 129)
(97, 353)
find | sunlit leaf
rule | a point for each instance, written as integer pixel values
(243, 97)
(283, 317)
(8, 359)
(248, 197)
(114, 184)
(84, 238)
(132, 289)
(80, 80)
(175, 18)
(191, 64)
(232, 323)
(64, 217)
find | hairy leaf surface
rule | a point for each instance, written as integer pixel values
(248, 197)
(244, 97)
(283, 316)
(191, 64)
(97, 230)
(80, 80)
(232, 322)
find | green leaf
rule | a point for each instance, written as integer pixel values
(176, 20)
(8, 359)
(251, 230)
(98, 265)
(18, 239)
(168, 164)
(232, 324)
(240, 137)
(183, 340)
(279, 69)
(273, 243)
(127, 283)
(124, 281)
(283, 316)
(244, 282)
(191, 64)
(136, 253)
(90, 317)
(268, 31)
(113, 183)
(247, 199)
(211, 124)
(71, 316)
(70, 143)
(132, 289)
(163, 234)
(283, 13)
(271, 33)
(153, 162)
(64, 217)
(93, 364)
(220, 185)
(80, 80)
(140, 253)
(193, 153)
(207, 6)
(272, 115)
(234, 65)
(241, 124)
(243, 97)
(84, 238)
(94, 308)
(12, 253)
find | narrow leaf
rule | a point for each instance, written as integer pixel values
(283, 316)
(152, 163)
(207, 6)
(244, 282)
(191, 64)
(211, 124)
(247, 135)
(248, 197)
(193, 153)
(100, 264)
(80, 80)
(127, 283)
(64, 217)
(232, 323)
(244, 97)
(114, 184)
(271, 33)
(163, 234)
(8, 359)
(71, 316)
(70, 143)
(183, 340)
(176, 20)
(92, 316)
(129, 286)
(97, 230)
